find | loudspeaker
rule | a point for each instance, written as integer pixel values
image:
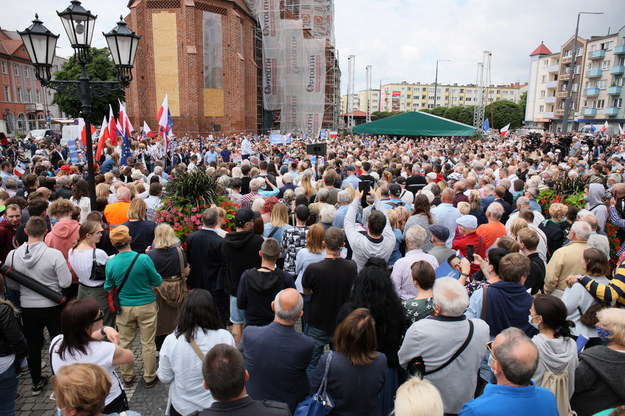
(317, 149)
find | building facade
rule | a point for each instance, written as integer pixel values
(367, 101)
(596, 84)
(202, 55)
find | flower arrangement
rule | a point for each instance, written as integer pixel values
(186, 198)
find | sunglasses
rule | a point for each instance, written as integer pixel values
(489, 347)
(100, 316)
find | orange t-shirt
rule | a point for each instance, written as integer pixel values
(117, 213)
(491, 231)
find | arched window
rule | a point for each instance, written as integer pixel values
(32, 122)
(21, 123)
(41, 121)
(10, 119)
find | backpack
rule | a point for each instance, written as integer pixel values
(558, 384)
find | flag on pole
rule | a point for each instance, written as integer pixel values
(605, 127)
(123, 115)
(165, 123)
(147, 131)
(593, 129)
(486, 125)
(83, 131)
(126, 153)
(104, 134)
(112, 127)
(621, 130)
(503, 131)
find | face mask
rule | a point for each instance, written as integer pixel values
(603, 333)
(530, 317)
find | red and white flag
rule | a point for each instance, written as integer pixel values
(163, 121)
(147, 131)
(124, 120)
(113, 133)
(104, 134)
(621, 130)
(605, 126)
(83, 131)
(18, 171)
(503, 131)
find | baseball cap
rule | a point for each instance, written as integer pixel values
(351, 168)
(439, 231)
(431, 175)
(120, 235)
(394, 189)
(245, 215)
(467, 221)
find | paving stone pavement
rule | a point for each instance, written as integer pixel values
(147, 402)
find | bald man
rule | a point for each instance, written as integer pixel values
(276, 356)
(117, 213)
(513, 359)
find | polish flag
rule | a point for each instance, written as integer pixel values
(124, 120)
(147, 131)
(503, 131)
(621, 130)
(163, 121)
(112, 127)
(83, 131)
(18, 171)
(605, 126)
(104, 134)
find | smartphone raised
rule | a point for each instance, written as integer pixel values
(470, 252)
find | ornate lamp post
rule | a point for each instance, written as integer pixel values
(79, 25)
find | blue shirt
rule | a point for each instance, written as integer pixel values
(447, 215)
(508, 400)
(353, 180)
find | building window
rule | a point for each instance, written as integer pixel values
(29, 96)
(603, 84)
(16, 70)
(600, 103)
(617, 102)
(26, 72)
(19, 95)
(541, 108)
(7, 93)
(4, 67)
(542, 94)
(213, 52)
(545, 63)
(544, 79)
(605, 65)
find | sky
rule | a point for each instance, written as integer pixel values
(402, 39)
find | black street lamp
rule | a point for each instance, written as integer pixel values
(79, 25)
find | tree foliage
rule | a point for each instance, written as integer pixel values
(502, 112)
(379, 115)
(100, 68)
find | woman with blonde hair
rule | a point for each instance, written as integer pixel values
(80, 390)
(141, 230)
(309, 191)
(554, 227)
(476, 207)
(102, 189)
(170, 262)
(275, 227)
(418, 397)
(88, 262)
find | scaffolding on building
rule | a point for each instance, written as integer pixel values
(483, 81)
(299, 74)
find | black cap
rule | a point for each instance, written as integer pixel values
(394, 189)
(353, 169)
(245, 215)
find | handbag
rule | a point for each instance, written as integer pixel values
(320, 403)
(173, 290)
(113, 295)
(98, 271)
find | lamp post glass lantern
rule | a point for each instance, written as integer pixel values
(79, 25)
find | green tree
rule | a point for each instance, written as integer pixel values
(439, 111)
(379, 115)
(100, 68)
(502, 112)
(460, 114)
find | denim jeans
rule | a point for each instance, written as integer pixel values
(8, 390)
(321, 339)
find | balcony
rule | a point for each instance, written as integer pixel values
(617, 70)
(619, 50)
(594, 73)
(559, 112)
(566, 60)
(600, 54)
(565, 77)
(553, 68)
(552, 84)
(591, 92)
(561, 94)
(614, 90)
(548, 114)
(589, 112)
(550, 100)
(611, 111)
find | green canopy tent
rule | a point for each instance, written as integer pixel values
(415, 123)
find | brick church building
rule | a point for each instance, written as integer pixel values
(202, 54)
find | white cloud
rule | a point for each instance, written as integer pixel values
(402, 39)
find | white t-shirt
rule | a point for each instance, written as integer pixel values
(98, 352)
(82, 262)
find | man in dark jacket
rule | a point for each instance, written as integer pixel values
(240, 251)
(204, 254)
(225, 376)
(258, 287)
(277, 356)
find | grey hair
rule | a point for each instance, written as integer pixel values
(287, 178)
(343, 197)
(496, 210)
(291, 315)
(522, 201)
(450, 296)
(256, 184)
(63, 180)
(327, 214)
(415, 237)
(581, 229)
(322, 195)
(515, 367)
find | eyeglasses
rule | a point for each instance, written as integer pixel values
(489, 347)
(100, 316)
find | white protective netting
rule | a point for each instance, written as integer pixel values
(294, 66)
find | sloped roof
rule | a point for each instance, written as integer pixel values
(541, 50)
(416, 123)
(355, 113)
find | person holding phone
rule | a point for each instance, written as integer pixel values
(471, 243)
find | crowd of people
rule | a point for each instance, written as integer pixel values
(415, 276)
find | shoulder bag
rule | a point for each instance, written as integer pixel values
(320, 403)
(417, 366)
(113, 295)
(98, 272)
(173, 289)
